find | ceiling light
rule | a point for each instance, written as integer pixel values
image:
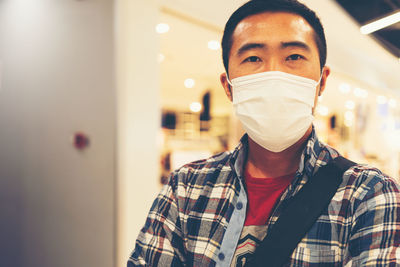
(162, 28)
(350, 104)
(380, 23)
(345, 88)
(195, 107)
(213, 45)
(349, 115)
(349, 118)
(393, 103)
(189, 83)
(161, 58)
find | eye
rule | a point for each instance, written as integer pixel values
(252, 59)
(295, 57)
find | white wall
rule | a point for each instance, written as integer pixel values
(56, 203)
(138, 117)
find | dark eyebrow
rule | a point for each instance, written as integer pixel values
(250, 46)
(295, 44)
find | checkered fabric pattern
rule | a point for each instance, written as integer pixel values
(188, 219)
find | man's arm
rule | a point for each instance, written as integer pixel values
(375, 237)
(160, 242)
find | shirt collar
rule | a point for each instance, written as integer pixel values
(310, 155)
(310, 158)
(239, 156)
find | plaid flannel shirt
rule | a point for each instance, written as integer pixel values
(197, 218)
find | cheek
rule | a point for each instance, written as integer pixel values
(233, 68)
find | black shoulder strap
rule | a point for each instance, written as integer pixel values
(300, 214)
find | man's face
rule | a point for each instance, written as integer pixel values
(274, 41)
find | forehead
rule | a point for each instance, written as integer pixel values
(273, 27)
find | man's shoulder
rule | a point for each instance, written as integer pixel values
(197, 172)
(213, 161)
(363, 177)
(366, 181)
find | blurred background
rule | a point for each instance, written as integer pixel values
(101, 99)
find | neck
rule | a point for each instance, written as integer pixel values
(264, 163)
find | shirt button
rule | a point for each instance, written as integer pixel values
(221, 256)
(239, 205)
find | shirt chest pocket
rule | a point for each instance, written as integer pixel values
(316, 256)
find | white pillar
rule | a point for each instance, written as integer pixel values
(138, 118)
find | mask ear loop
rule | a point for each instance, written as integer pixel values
(228, 80)
(320, 77)
(230, 85)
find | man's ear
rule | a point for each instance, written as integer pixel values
(227, 87)
(325, 73)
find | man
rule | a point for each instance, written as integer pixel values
(217, 211)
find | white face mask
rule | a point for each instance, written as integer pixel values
(274, 107)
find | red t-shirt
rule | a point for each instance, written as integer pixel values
(262, 194)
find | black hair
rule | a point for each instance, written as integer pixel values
(254, 7)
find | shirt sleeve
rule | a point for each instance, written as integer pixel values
(160, 242)
(375, 236)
